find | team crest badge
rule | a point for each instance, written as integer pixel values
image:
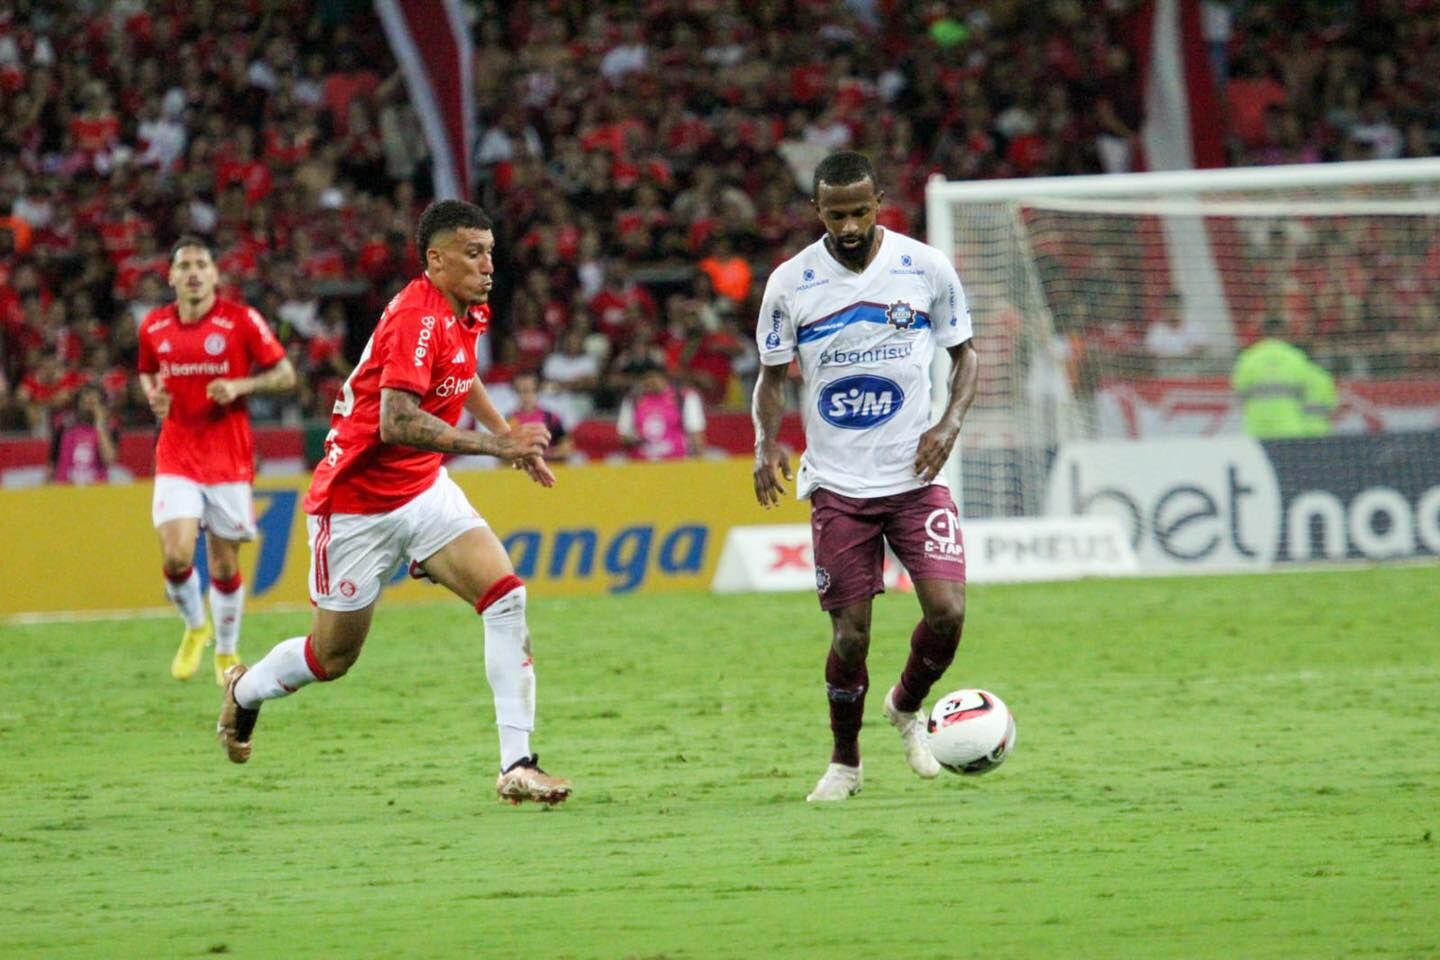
(215, 344)
(900, 315)
(822, 579)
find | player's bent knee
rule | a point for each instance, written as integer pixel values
(947, 622)
(851, 646)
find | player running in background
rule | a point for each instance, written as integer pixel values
(199, 358)
(381, 497)
(863, 309)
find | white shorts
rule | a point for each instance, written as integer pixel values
(353, 554)
(225, 509)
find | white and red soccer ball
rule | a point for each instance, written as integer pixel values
(971, 731)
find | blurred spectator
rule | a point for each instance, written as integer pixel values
(530, 409)
(84, 441)
(659, 420)
(1170, 336)
(572, 374)
(46, 389)
(621, 305)
(729, 272)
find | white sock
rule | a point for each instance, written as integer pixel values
(227, 608)
(186, 597)
(511, 672)
(514, 745)
(279, 673)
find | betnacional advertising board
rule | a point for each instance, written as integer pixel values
(602, 529)
(1232, 503)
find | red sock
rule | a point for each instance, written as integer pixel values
(178, 578)
(312, 661)
(228, 585)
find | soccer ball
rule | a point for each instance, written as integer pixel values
(971, 731)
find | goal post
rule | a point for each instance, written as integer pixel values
(1112, 307)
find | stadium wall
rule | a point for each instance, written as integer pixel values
(624, 528)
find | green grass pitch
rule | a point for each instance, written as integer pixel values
(1206, 767)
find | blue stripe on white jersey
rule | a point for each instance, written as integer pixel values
(863, 312)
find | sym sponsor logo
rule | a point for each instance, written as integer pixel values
(1233, 503)
(860, 402)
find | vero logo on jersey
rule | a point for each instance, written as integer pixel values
(859, 403)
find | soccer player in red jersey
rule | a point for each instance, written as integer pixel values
(380, 497)
(199, 358)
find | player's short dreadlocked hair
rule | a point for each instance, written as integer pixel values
(842, 169)
(444, 216)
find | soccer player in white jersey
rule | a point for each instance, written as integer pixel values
(380, 497)
(863, 309)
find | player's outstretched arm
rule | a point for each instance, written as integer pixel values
(937, 442)
(766, 409)
(403, 422)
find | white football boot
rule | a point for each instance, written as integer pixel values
(839, 783)
(915, 736)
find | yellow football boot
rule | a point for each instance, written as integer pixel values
(192, 645)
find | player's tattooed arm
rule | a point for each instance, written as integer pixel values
(403, 422)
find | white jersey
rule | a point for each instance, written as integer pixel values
(865, 342)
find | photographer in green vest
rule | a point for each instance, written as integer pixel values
(1320, 402)
(1270, 378)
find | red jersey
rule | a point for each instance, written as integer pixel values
(421, 347)
(200, 439)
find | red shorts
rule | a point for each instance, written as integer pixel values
(849, 536)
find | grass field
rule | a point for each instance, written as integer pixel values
(1206, 767)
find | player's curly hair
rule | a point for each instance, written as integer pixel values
(443, 216)
(842, 169)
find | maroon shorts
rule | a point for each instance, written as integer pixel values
(849, 536)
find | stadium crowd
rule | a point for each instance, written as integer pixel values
(648, 163)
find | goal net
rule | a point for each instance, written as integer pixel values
(1114, 307)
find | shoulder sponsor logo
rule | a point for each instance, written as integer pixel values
(215, 344)
(860, 402)
(772, 339)
(907, 267)
(845, 358)
(809, 282)
(422, 348)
